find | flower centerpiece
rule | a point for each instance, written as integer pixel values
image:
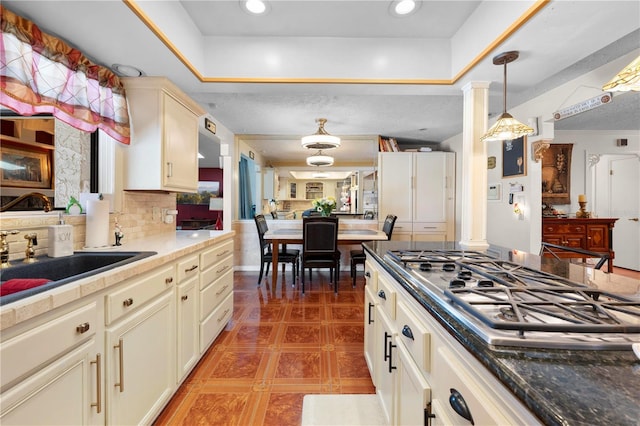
(325, 205)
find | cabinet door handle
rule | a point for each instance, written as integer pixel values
(391, 366)
(387, 336)
(459, 405)
(120, 346)
(83, 328)
(169, 169)
(382, 295)
(635, 219)
(185, 297)
(370, 321)
(406, 331)
(191, 269)
(127, 302)
(367, 274)
(98, 403)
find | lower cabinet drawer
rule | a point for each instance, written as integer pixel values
(211, 327)
(35, 347)
(211, 296)
(139, 291)
(208, 276)
(414, 336)
(386, 297)
(216, 254)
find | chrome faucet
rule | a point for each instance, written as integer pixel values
(44, 198)
(4, 248)
(30, 253)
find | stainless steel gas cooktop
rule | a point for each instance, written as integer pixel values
(508, 304)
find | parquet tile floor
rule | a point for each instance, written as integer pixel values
(278, 347)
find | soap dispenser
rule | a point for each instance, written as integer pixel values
(60, 239)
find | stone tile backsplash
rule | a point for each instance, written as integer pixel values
(141, 217)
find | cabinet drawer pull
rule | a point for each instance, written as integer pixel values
(367, 274)
(224, 314)
(83, 328)
(459, 405)
(222, 290)
(191, 269)
(168, 280)
(223, 269)
(429, 227)
(391, 366)
(223, 253)
(370, 321)
(382, 295)
(406, 331)
(98, 403)
(387, 336)
(127, 302)
(120, 346)
(185, 297)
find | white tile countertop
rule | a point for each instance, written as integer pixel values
(168, 247)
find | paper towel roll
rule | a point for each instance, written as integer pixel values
(97, 224)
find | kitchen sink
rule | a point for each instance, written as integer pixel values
(63, 270)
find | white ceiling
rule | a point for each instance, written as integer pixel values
(366, 71)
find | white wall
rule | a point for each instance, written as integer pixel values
(504, 228)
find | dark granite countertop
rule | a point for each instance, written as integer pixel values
(561, 387)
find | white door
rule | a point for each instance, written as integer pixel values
(624, 201)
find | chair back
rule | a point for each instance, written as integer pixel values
(319, 235)
(387, 228)
(261, 225)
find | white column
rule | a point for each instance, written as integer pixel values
(473, 226)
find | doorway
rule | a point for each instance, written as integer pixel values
(614, 187)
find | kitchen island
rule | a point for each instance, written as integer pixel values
(556, 386)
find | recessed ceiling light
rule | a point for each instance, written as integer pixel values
(403, 7)
(256, 7)
(127, 70)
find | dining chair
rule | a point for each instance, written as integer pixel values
(358, 257)
(285, 255)
(320, 247)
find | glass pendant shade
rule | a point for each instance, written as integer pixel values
(321, 139)
(626, 80)
(506, 127)
(320, 160)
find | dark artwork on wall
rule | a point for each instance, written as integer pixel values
(556, 174)
(514, 157)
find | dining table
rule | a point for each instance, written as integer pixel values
(285, 236)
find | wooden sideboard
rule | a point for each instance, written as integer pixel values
(593, 234)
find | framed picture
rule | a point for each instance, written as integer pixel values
(514, 157)
(23, 168)
(556, 174)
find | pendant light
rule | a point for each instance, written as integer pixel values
(626, 80)
(506, 127)
(320, 139)
(320, 160)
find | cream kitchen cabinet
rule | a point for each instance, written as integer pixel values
(163, 154)
(216, 292)
(140, 348)
(188, 272)
(419, 365)
(418, 187)
(51, 372)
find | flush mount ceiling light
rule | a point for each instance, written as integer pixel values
(320, 139)
(506, 127)
(255, 7)
(403, 7)
(626, 80)
(127, 70)
(320, 175)
(320, 160)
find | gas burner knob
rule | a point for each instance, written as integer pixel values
(426, 266)
(485, 283)
(464, 275)
(457, 284)
(449, 267)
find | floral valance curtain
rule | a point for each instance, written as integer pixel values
(42, 74)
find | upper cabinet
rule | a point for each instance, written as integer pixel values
(163, 154)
